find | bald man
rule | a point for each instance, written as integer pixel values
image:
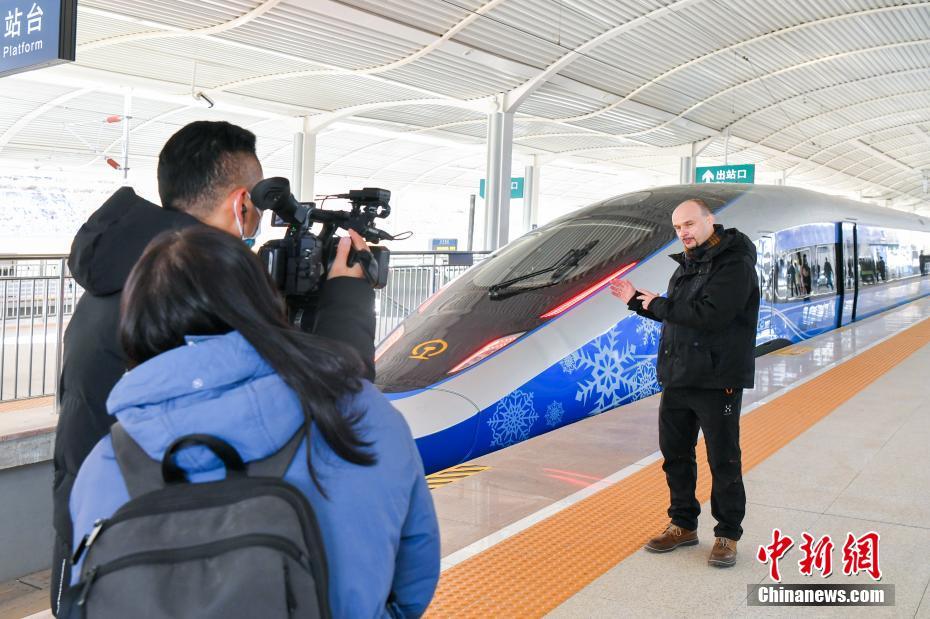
(706, 358)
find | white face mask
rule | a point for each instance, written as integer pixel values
(248, 240)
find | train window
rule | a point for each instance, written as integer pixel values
(890, 254)
(541, 249)
(804, 267)
(823, 270)
(799, 276)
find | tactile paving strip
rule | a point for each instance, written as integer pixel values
(536, 570)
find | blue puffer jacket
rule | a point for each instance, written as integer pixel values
(378, 524)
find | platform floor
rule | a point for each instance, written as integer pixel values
(865, 467)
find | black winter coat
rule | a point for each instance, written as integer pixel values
(709, 316)
(103, 253)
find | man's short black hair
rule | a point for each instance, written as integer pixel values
(200, 162)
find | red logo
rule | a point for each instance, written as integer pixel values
(816, 556)
(861, 555)
(774, 552)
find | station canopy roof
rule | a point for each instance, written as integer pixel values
(834, 93)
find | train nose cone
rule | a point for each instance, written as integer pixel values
(443, 423)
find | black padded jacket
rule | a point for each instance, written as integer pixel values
(709, 316)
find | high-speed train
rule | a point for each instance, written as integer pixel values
(531, 339)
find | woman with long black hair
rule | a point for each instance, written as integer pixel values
(211, 352)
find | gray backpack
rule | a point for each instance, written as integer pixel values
(245, 546)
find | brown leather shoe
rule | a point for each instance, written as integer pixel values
(724, 553)
(673, 537)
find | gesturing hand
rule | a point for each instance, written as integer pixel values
(622, 289)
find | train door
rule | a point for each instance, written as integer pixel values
(847, 276)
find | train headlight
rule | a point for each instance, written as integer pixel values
(486, 351)
(587, 292)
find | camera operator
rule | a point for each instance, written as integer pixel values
(205, 174)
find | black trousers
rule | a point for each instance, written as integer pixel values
(682, 412)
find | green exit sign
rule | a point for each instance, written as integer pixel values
(516, 187)
(726, 174)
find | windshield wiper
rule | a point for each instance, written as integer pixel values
(562, 266)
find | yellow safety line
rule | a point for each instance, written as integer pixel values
(536, 570)
(455, 473)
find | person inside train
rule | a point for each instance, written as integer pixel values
(706, 359)
(792, 279)
(205, 173)
(828, 272)
(805, 276)
(880, 268)
(211, 352)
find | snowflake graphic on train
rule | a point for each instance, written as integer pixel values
(570, 363)
(554, 414)
(616, 374)
(513, 419)
(650, 330)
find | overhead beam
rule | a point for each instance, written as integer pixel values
(801, 65)
(77, 76)
(775, 105)
(882, 156)
(23, 122)
(517, 96)
(243, 19)
(731, 49)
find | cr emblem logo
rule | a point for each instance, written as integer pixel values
(427, 350)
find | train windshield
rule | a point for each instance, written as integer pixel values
(569, 250)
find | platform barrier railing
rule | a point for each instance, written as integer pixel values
(38, 296)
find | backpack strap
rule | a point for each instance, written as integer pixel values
(141, 473)
(276, 464)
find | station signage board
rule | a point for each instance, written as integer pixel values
(516, 187)
(444, 244)
(36, 34)
(726, 174)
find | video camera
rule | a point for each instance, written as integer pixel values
(299, 262)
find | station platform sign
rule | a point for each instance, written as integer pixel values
(36, 34)
(444, 244)
(516, 187)
(726, 174)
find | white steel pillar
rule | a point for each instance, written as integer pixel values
(531, 195)
(127, 121)
(304, 164)
(686, 172)
(497, 186)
